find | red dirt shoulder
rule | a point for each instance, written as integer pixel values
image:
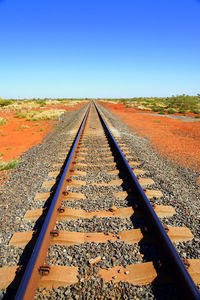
(176, 140)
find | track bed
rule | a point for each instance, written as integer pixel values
(101, 244)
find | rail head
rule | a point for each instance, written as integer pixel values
(187, 284)
(31, 276)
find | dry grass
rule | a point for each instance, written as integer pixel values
(3, 121)
(35, 115)
(9, 165)
(24, 126)
(23, 105)
(16, 105)
(63, 102)
(37, 109)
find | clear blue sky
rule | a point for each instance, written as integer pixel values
(99, 48)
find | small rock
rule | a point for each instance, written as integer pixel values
(70, 258)
(119, 271)
(113, 259)
(93, 261)
(113, 208)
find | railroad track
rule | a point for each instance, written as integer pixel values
(98, 225)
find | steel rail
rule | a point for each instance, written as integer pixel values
(31, 276)
(188, 286)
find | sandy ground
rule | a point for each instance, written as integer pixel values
(19, 135)
(173, 138)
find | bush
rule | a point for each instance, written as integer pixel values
(161, 111)
(155, 108)
(24, 126)
(41, 102)
(21, 114)
(8, 165)
(194, 111)
(171, 111)
(33, 115)
(47, 115)
(3, 121)
(180, 102)
(182, 111)
(5, 102)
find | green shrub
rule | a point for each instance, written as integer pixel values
(5, 102)
(195, 111)
(155, 108)
(41, 102)
(24, 126)
(180, 102)
(182, 111)
(8, 165)
(171, 111)
(161, 111)
(3, 121)
(21, 114)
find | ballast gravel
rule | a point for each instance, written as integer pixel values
(17, 194)
(177, 184)
(96, 225)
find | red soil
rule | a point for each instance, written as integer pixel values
(173, 138)
(18, 135)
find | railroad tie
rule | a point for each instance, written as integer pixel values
(137, 274)
(123, 212)
(145, 273)
(137, 172)
(69, 196)
(149, 193)
(69, 238)
(59, 276)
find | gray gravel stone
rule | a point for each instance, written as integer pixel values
(177, 184)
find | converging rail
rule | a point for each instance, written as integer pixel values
(170, 267)
(31, 276)
(176, 263)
